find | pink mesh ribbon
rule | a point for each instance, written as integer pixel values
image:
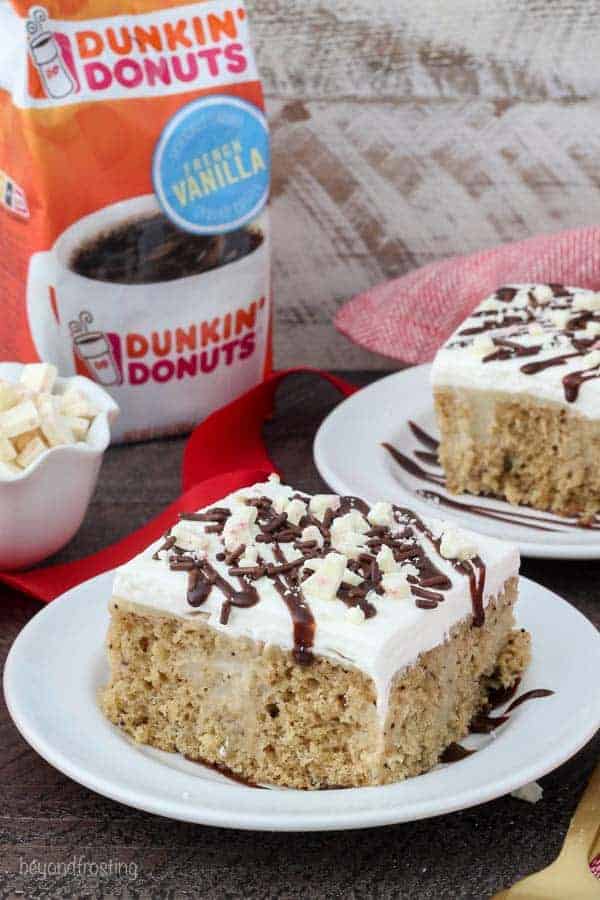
(410, 317)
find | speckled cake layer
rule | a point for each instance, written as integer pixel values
(311, 641)
(517, 396)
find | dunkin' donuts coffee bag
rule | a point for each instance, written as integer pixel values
(134, 175)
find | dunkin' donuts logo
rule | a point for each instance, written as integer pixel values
(163, 52)
(161, 356)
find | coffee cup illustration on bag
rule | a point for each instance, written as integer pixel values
(48, 56)
(94, 350)
(158, 316)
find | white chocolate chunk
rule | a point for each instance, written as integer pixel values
(7, 451)
(320, 503)
(22, 417)
(21, 440)
(396, 586)
(347, 534)
(352, 578)
(79, 426)
(355, 615)
(350, 543)
(9, 395)
(531, 792)
(327, 576)
(31, 451)
(188, 539)
(279, 503)
(39, 377)
(590, 360)
(482, 345)
(491, 304)
(249, 558)
(240, 527)
(295, 510)
(381, 514)
(54, 426)
(592, 329)
(521, 299)
(312, 533)
(560, 317)
(32, 418)
(74, 403)
(456, 545)
(385, 559)
(408, 569)
(586, 301)
(543, 293)
(535, 328)
(352, 521)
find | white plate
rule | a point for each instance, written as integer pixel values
(57, 664)
(349, 456)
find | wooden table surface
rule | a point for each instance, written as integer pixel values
(47, 819)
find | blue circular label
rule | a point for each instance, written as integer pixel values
(212, 165)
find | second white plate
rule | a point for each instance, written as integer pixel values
(398, 410)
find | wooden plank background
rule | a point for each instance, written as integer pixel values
(405, 132)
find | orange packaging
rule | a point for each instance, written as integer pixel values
(134, 177)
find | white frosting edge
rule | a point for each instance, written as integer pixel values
(380, 647)
(460, 368)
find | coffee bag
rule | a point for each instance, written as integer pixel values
(134, 176)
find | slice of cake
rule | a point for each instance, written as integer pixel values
(311, 642)
(517, 398)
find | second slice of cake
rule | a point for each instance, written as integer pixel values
(517, 398)
(311, 642)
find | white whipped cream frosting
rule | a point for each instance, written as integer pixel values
(459, 363)
(380, 646)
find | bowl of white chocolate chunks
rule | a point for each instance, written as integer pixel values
(53, 433)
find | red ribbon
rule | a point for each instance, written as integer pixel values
(224, 453)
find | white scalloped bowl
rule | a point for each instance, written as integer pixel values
(42, 507)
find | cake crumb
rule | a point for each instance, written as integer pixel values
(531, 793)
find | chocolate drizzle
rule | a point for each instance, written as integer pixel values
(512, 517)
(228, 773)
(303, 621)
(476, 508)
(473, 569)
(412, 467)
(168, 543)
(509, 349)
(202, 577)
(572, 382)
(493, 324)
(431, 458)
(534, 311)
(288, 570)
(484, 723)
(530, 695)
(534, 368)
(423, 437)
(454, 753)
